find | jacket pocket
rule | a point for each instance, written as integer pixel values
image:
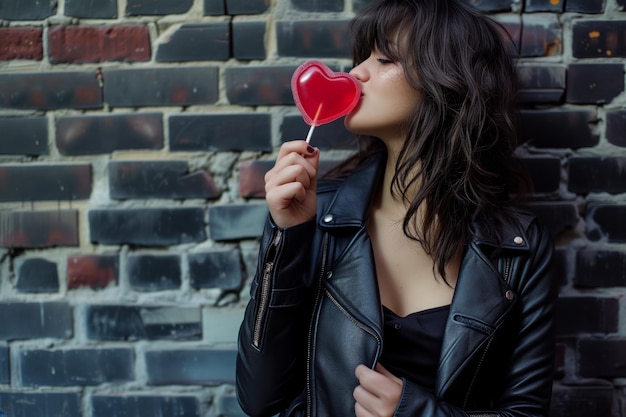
(473, 323)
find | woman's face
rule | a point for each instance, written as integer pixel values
(387, 99)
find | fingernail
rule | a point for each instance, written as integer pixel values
(310, 149)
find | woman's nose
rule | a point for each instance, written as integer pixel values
(359, 72)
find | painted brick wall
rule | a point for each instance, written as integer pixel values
(134, 135)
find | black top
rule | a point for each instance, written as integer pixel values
(412, 344)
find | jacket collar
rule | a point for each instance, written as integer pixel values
(351, 202)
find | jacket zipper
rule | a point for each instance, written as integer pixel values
(352, 319)
(309, 353)
(265, 288)
(507, 268)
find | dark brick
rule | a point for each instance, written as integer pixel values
(236, 221)
(541, 84)
(149, 323)
(252, 173)
(541, 36)
(556, 217)
(562, 264)
(86, 135)
(5, 372)
(214, 7)
(559, 128)
(329, 136)
(559, 360)
(83, 44)
(38, 182)
(320, 6)
(606, 222)
(27, 9)
(584, 6)
(599, 39)
(576, 315)
(180, 367)
(616, 127)
(594, 83)
(221, 132)
(544, 172)
(150, 227)
(251, 178)
(21, 43)
(237, 7)
(93, 271)
(228, 406)
(37, 275)
(50, 90)
(35, 321)
(183, 86)
(600, 268)
(581, 401)
(597, 175)
(218, 269)
(125, 405)
(24, 135)
(38, 229)
(154, 272)
(75, 367)
(159, 179)
(157, 7)
(196, 42)
(313, 38)
(544, 6)
(602, 358)
(20, 404)
(259, 86)
(513, 33)
(249, 40)
(492, 5)
(102, 9)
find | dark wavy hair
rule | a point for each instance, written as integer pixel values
(462, 135)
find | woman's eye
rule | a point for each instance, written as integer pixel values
(384, 61)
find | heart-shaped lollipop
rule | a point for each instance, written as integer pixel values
(323, 95)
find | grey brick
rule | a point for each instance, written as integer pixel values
(259, 86)
(332, 135)
(594, 83)
(197, 42)
(40, 182)
(541, 84)
(35, 320)
(153, 227)
(24, 135)
(37, 275)
(543, 6)
(27, 10)
(249, 40)
(237, 7)
(154, 272)
(218, 269)
(584, 6)
(314, 38)
(107, 322)
(20, 404)
(597, 175)
(38, 229)
(5, 373)
(606, 221)
(183, 86)
(319, 6)
(102, 9)
(228, 406)
(214, 7)
(157, 7)
(181, 367)
(75, 367)
(559, 128)
(221, 132)
(600, 268)
(127, 405)
(236, 221)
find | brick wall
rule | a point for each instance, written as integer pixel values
(134, 135)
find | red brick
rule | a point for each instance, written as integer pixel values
(21, 43)
(95, 271)
(38, 229)
(251, 178)
(80, 44)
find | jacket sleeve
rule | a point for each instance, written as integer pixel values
(529, 373)
(272, 337)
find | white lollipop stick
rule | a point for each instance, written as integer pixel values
(308, 136)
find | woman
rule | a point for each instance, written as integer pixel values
(408, 285)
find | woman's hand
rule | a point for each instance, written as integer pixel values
(291, 184)
(378, 392)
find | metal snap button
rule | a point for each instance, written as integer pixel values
(328, 218)
(518, 240)
(509, 295)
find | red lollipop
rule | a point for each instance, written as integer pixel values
(323, 95)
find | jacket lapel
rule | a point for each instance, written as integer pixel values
(478, 308)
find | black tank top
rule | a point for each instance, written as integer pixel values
(412, 344)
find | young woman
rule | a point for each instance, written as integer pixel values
(408, 285)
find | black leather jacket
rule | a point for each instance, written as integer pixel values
(315, 314)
